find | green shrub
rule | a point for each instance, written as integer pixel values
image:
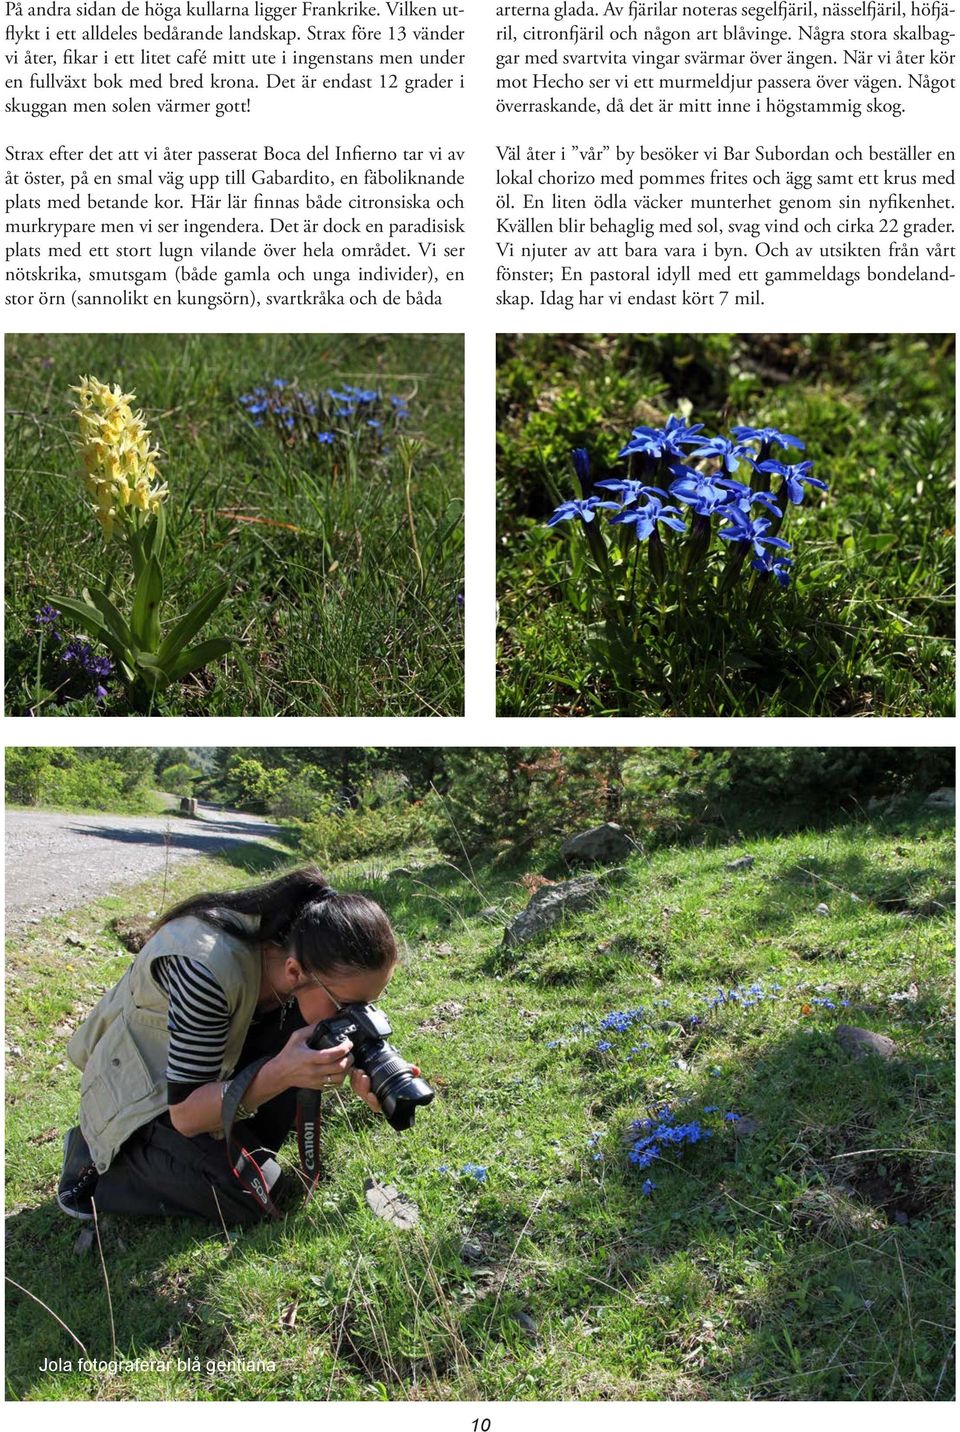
(353, 834)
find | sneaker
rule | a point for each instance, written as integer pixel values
(78, 1177)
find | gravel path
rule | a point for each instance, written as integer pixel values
(56, 861)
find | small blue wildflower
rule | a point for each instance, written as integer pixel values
(584, 508)
(697, 489)
(581, 466)
(645, 518)
(795, 476)
(744, 497)
(444, 1168)
(326, 438)
(659, 442)
(733, 1118)
(778, 567)
(604, 1045)
(730, 453)
(477, 1171)
(647, 1187)
(752, 530)
(769, 436)
(628, 489)
(712, 1109)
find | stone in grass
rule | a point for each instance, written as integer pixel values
(822, 909)
(73, 938)
(943, 799)
(598, 846)
(390, 1205)
(861, 1042)
(744, 863)
(471, 1252)
(549, 906)
(132, 931)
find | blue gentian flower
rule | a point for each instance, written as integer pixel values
(629, 490)
(697, 489)
(753, 530)
(794, 475)
(581, 466)
(744, 496)
(647, 1187)
(662, 442)
(778, 567)
(645, 518)
(477, 1171)
(732, 1118)
(729, 452)
(769, 435)
(666, 441)
(326, 438)
(583, 507)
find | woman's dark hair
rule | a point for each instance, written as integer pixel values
(302, 913)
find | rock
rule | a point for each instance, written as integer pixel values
(861, 1042)
(391, 1205)
(132, 931)
(527, 1323)
(599, 846)
(943, 799)
(14, 1051)
(73, 938)
(83, 1241)
(744, 863)
(822, 909)
(549, 906)
(471, 1252)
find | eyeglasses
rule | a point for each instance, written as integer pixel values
(329, 993)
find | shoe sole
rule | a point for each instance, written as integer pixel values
(71, 1212)
(74, 1212)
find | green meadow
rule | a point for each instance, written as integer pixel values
(344, 562)
(801, 1248)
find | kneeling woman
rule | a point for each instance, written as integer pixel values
(224, 981)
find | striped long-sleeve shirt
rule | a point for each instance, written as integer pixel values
(198, 1022)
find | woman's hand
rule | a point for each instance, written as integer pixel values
(304, 1068)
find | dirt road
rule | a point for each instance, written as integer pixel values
(56, 861)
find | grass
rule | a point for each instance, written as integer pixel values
(343, 587)
(802, 1253)
(866, 629)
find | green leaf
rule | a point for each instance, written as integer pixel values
(155, 534)
(153, 676)
(115, 623)
(90, 621)
(145, 621)
(189, 624)
(196, 656)
(135, 547)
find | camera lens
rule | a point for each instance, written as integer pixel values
(400, 1093)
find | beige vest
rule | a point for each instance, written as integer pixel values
(121, 1047)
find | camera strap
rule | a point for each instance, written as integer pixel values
(243, 1165)
(308, 1136)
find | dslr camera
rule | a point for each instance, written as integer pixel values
(400, 1092)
